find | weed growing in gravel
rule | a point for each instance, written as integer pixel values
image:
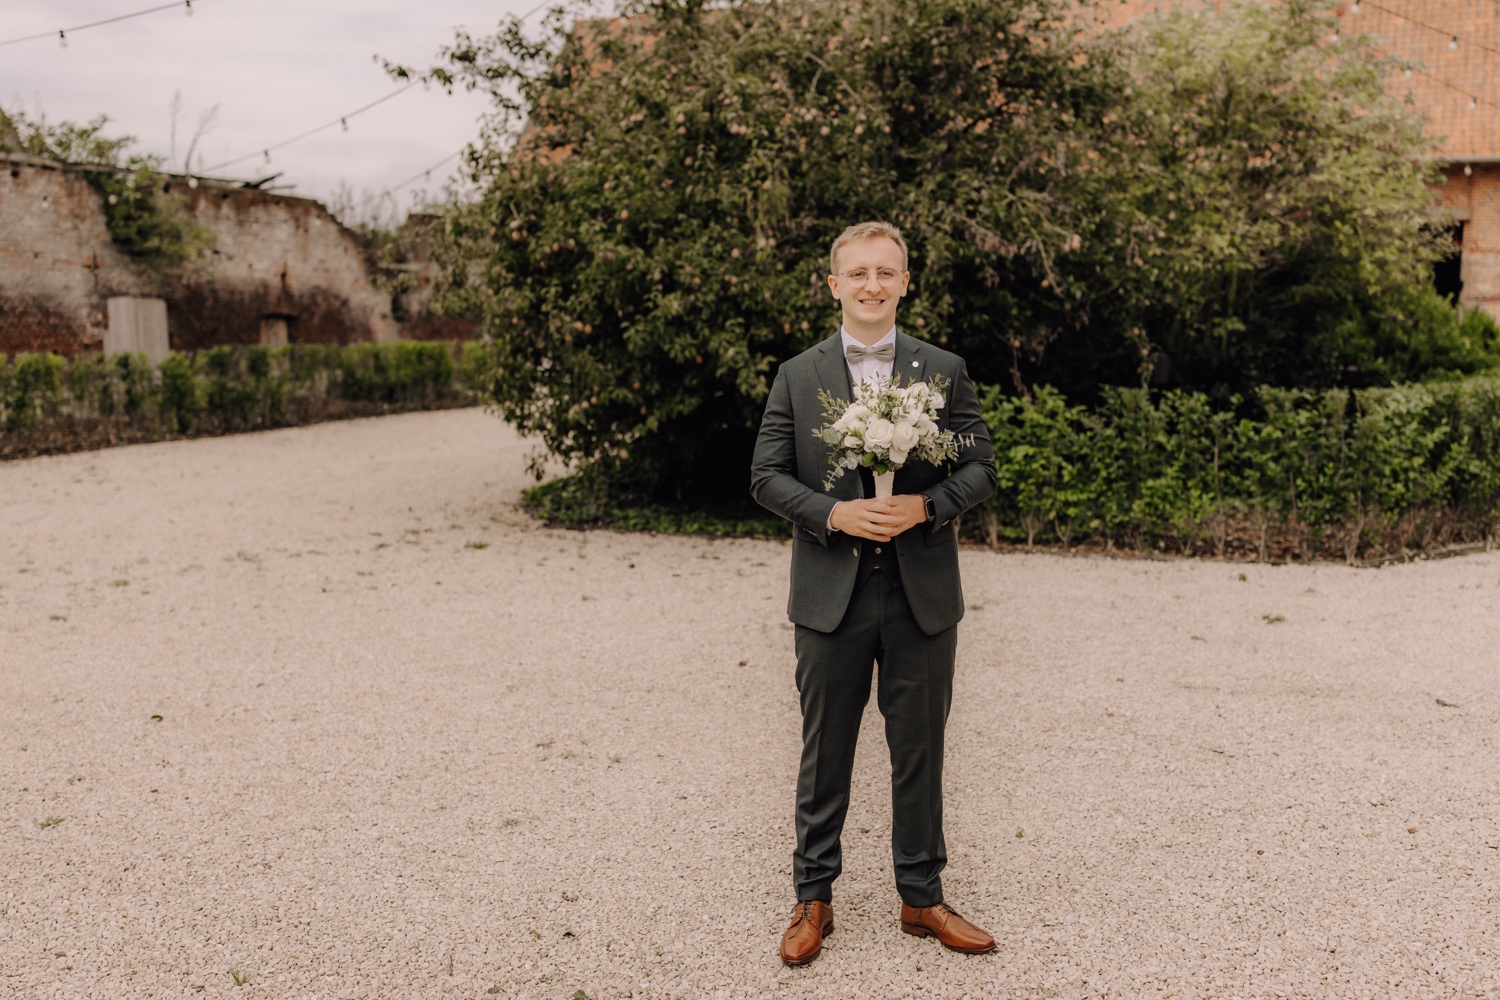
(1273, 619)
(239, 979)
(49, 821)
(476, 545)
(615, 758)
(120, 583)
(59, 618)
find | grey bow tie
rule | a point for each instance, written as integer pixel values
(856, 353)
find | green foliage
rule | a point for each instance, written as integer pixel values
(146, 220)
(1223, 199)
(65, 141)
(584, 500)
(639, 290)
(1415, 333)
(1298, 473)
(51, 404)
(1266, 192)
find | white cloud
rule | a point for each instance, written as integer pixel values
(275, 68)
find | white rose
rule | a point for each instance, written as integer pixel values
(903, 438)
(898, 458)
(850, 441)
(856, 412)
(879, 433)
(926, 425)
(936, 402)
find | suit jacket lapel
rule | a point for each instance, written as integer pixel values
(910, 365)
(833, 371)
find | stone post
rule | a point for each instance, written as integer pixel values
(137, 324)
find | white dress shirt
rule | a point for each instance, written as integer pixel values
(865, 370)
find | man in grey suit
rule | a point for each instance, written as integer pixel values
(874, 581)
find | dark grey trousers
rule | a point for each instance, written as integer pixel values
(915, 691)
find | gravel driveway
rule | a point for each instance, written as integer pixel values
(319, 711)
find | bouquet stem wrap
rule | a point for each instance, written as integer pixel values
(883, 483)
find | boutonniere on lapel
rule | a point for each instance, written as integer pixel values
(885, 426)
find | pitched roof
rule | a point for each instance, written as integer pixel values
(1458, 85)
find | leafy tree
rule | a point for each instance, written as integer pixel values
(657, 192)
(1272, 220)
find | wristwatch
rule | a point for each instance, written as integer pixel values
(929, 506)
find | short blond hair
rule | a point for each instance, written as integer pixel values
(867, 231)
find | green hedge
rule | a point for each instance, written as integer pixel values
(1358, 475)
(50, 404)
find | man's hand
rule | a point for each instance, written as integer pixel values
(879, 520)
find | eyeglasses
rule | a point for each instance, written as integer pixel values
(860, 276)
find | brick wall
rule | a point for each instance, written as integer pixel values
(275, 258)
(1474, 200)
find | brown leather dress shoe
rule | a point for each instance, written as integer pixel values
(803, 940)
(944, 923)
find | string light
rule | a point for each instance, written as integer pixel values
(1453, 40)
(340, 120)
(424, 174)
(63, 36)
(1474, 100)
(1468, 170)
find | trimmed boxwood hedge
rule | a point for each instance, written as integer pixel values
(51, 404)
(1353, 474)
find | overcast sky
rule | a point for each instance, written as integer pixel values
(275, 68)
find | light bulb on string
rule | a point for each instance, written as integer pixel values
(1468, 170)
(344, 122)
(1473, 104)
(188, 8)
(268, 155)
(1453, 45)
(62, 39)
(1354, 8)
(1408, 72)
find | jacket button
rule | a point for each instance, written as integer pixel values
(877, 550)
(856, 551)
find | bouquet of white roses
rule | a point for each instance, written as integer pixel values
(885, 426)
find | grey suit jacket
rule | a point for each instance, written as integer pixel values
(790, 464)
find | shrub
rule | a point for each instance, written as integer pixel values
(50, 404)
(1298, 473)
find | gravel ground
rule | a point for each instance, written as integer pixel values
(319, 710)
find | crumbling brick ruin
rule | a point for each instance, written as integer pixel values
(282, 270)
